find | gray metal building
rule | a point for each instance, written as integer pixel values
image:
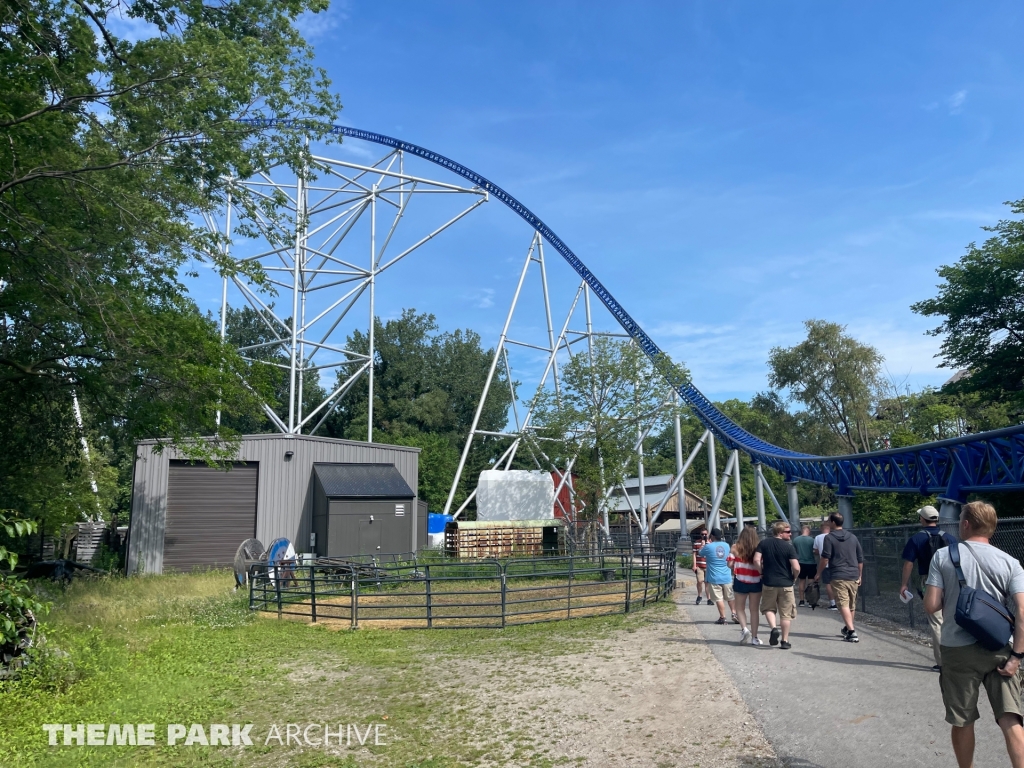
(186, 515)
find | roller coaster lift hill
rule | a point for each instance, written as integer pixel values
(988, 461)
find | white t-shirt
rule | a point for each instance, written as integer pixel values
(819, 543)
(985, 567)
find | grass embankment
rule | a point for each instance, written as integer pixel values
(184, 649)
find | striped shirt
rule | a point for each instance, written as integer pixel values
(744, 571)
(698, 561)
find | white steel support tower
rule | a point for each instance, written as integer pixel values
(342, 218)
(531, 336)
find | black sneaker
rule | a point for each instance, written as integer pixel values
(710, 601)
(802, 604)
(721, 620)
(785, 645)
(699, 600)
(844, 631)
(936, 668)
(774, 639)
(851, 637)
(833, 607)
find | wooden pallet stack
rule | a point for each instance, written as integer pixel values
(504, 538)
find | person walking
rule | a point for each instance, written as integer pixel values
(746, 584)
(842, 553)
(777, 561)
(804, 546)
(700, 540)
(966, 666)
(920, 549)
(719, 577)
(825, 577)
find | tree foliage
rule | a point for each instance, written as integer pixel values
(981, 306)
(19, 607)
(111, 146)
(605, 401)
(835, 376)
(426, 387)
(267, 370)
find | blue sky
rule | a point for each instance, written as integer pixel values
(728, 170)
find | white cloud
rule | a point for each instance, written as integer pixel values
(483, 299)
(314, 26)
(132, 30)
(956, 101)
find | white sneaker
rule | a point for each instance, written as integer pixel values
(756, 641)
(744, 636)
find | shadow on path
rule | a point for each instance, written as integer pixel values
(871, 663)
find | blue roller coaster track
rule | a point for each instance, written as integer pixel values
(988, 461)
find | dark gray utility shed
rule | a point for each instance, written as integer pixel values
(364, 509)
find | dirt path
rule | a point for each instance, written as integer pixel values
(653, 696)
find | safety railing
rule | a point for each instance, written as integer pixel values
(437, 593)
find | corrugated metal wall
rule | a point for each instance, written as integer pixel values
(284, 498)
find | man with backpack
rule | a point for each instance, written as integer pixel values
(920, 549)
(976, 567)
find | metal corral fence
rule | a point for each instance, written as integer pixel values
(411, 593)
(883, 568)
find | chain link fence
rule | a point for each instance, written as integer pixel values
(883, 568)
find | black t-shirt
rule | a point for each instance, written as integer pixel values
(775, 556)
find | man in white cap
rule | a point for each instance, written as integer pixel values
(920, 549)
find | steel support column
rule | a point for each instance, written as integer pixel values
(712, 473)
(737, 490)
(762, 523)
(846, 510)
(644, 519)
(949, 510)
(794, 504)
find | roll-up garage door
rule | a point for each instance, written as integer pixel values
(209, 513)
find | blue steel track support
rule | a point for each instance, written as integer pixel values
(952, 468)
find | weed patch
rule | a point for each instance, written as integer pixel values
(186, 649)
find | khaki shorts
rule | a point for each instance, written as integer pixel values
(780, 601)
(700, 576)
(845, 592)
(721, 592)
(965, 669)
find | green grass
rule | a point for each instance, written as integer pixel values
(184, 649)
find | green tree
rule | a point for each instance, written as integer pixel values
(19, 607)
(835, 377)
(267, 370)
(110, 148)
(605, 401)
(981, 306)
(426, 388)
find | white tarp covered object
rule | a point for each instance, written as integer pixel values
(514, 495)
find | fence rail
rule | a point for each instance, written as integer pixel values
(432, 594)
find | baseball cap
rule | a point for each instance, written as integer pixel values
(716, 532)
(929, 513)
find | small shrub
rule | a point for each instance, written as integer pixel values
(19, 606)
(49, 669)
(109, 560)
